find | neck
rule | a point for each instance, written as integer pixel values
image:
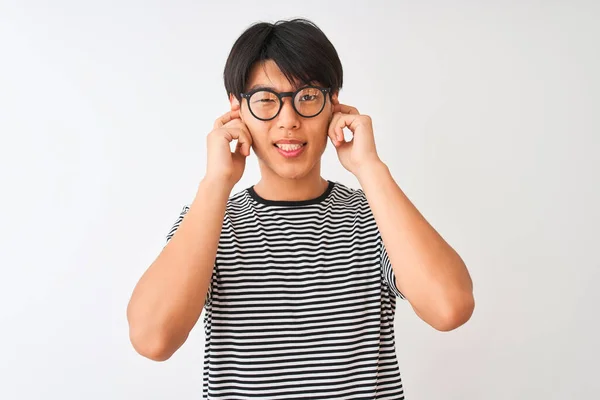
(274, 187)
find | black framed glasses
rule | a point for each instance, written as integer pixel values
(265, 104)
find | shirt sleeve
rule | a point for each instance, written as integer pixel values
(184, 211)
(387, 272)
(177, 223)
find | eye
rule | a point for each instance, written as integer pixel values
(307, 97)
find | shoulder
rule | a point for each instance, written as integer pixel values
(353, 201)
(239, 198)
(238, 205)
(184, 210)
(349, 197)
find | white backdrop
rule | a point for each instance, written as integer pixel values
(485, 112)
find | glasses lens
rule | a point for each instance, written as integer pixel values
(309, 102)
(264, 104)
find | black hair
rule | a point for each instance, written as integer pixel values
(299, 48)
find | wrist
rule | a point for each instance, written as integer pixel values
(370, 169)
(216, 185)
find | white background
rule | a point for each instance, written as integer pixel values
(485, 112)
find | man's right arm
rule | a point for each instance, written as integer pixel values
(168, 299)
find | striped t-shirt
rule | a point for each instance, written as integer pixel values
(301, 302)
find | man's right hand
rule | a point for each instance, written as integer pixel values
(222, 163)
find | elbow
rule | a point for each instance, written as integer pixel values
(149, 345)
(148, 341)
(456, 313)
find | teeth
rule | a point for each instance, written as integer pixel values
(288, 147)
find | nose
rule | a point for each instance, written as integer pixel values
(287, 118)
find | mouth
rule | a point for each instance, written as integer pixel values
(290, 150)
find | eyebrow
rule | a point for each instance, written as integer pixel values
(259, 86)
(262, 87)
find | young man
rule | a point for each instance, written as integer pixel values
(298, 275)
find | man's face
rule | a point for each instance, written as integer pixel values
(286, 125)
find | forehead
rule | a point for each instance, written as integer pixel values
(268, 74)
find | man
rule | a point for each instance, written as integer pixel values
(298, 275)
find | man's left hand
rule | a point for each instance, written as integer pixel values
(360, 151)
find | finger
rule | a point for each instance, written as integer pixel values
(238, 153)
(345, 120)
(238, 157)
(239, 149)
(331, 130)
(239, 131)
(232, 134)
(337, 127)
(225, 118)
(345, 109)
(245, 136)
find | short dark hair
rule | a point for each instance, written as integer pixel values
(299, 48)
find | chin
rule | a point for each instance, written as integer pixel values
(291, 173)
(287, 170)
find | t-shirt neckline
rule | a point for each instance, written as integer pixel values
(294, 203)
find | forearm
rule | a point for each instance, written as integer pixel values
(429, 272)
(168, 300)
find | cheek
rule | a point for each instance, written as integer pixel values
(260, 135)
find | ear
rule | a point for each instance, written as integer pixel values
(334, 99)
(235, 105)
(234, 102)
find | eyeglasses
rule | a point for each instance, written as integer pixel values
(265, 104)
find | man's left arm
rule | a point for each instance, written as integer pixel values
(429, 272)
